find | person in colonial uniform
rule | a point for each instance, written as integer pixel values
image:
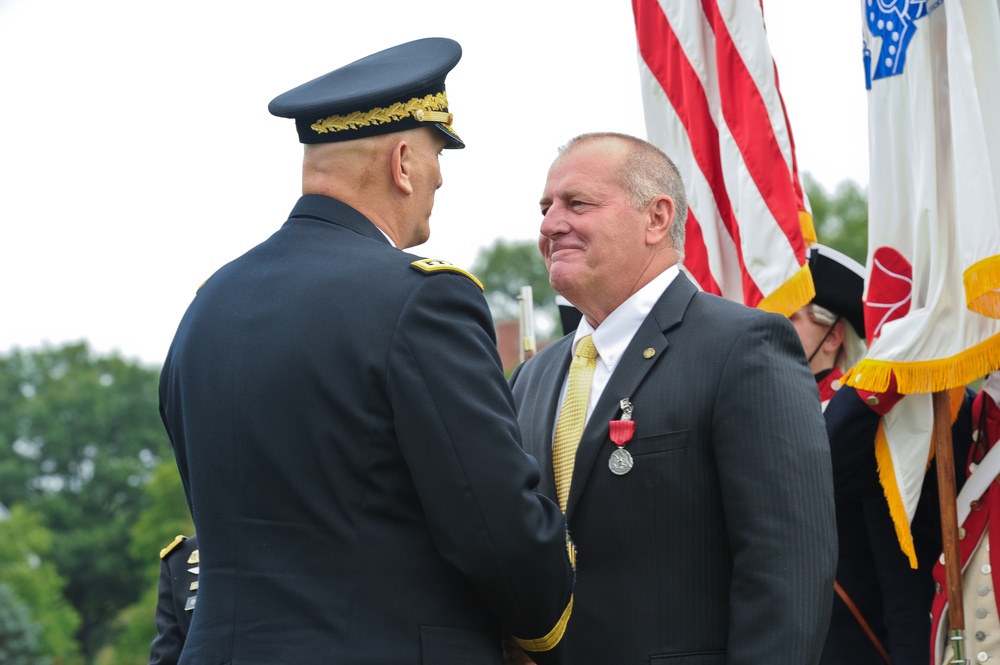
(880, 611)
(979, 515)
(832, 325)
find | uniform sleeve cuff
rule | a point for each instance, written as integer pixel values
(549, 642)
(882, 402)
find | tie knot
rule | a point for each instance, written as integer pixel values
(585, 348)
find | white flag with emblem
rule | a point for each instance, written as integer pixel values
(931, 299)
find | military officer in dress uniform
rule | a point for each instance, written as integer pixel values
(979, 515)
(345, 436)
(179, 563)
(881, 602)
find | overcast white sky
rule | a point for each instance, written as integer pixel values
(137, 154)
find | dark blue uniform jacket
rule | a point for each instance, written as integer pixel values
(351, 456)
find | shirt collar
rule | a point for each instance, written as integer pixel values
(615, 333)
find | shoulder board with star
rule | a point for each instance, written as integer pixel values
(431, 266)
(172, 546)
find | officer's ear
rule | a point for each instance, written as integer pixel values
(401, 166)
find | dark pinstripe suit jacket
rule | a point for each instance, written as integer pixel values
(720, 545)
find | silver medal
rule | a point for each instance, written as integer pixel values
(620, 462)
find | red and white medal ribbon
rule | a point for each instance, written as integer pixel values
(621, 432)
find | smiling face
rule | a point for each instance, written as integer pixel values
(598, 247)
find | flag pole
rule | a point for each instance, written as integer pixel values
(949, 524)
(527, 328)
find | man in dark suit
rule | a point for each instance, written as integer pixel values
(700, 494)
(178, 591)
(345, 436)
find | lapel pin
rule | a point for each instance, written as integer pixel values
(649, 353)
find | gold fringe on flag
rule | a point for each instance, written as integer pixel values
(887, 477)
(799, 290)
(808, 230)
(927, 376)
(982, 279)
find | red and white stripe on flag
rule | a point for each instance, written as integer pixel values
(711, 102)
(933, 232)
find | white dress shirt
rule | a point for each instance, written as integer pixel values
(615, 333)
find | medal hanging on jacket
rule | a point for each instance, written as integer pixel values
(621, 433)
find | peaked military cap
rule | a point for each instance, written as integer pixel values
(840, 285)
(390, 91)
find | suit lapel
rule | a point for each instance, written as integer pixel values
(632, 369)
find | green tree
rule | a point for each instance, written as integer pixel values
(841, 218)
(28, 572)
(507, 265)
(79, 439)
(18, 634)
(166, 516)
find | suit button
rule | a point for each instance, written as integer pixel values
(982, 656)
(872, 400)
(987, 569)
(983, 590)
(981, 613)
(980, 635)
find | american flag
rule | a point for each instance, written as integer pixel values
(711, 102)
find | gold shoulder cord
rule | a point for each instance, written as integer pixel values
(436, 265)
(172, 546)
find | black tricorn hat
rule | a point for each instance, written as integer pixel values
(840, 285)
(390, 91)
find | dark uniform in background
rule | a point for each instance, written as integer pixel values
(179, 563)
(345, 436)
(893, 598)
(882, 605)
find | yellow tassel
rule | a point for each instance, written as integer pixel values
(982, 280)
(887, 476)
(890, 488)
(799, 290)
(808, 230)
(927, 376)
(957, 396)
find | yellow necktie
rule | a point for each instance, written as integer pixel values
(572, 417)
